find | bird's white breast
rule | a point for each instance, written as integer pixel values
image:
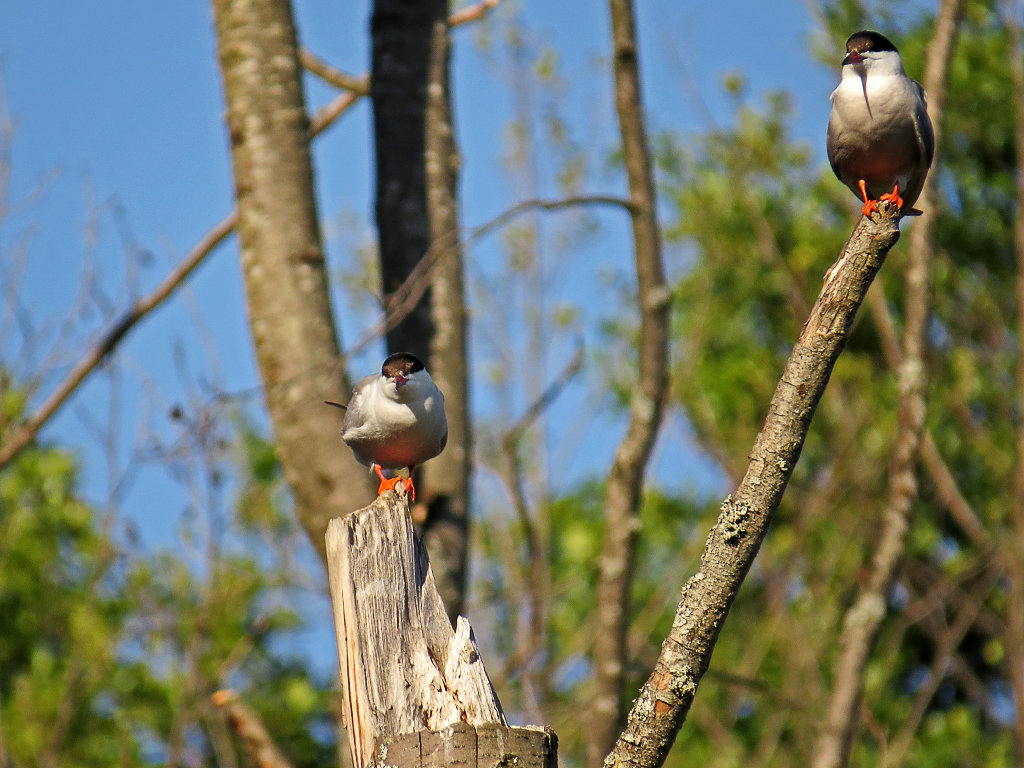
(397, 433)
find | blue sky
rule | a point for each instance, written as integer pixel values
(120, 101)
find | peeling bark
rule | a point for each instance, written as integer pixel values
(416, 693)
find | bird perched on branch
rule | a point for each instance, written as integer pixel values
(880, 140)
(396, 419)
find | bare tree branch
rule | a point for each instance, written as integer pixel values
(865, 616)
(471, 12)
(415, 284)
(938, 471)
(624, 491)
(358, 85)
(949, 640)
(245, 722)
(25, 431)
(732, 545)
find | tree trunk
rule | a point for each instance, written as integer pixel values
(446, 529)
(285, 275)
(417, 180)
(402, 32)
(416, 692)
(625, 481)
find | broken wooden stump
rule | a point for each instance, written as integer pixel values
(416, 694)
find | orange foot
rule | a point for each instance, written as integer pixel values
(391, 484)
(870, 206)
(894, 196)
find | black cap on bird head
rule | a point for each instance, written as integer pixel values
(401, 364)
(866, 41)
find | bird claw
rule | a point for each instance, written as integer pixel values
(871, 206)
(391, 483)
(893, 197)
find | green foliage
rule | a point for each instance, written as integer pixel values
(108, 656)
(762, 224)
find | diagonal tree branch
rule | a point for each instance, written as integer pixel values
(358, 85)
(864, 617)
(259, 745)
(25, 431)
(732, 545)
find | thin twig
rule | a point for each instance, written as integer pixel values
(26, 430)
(531, 645)
(471, 12)
(358, 85)
(938, 470)
(947, 643)
(406, 296)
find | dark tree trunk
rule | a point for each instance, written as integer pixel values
(417, 211)
(402, 33)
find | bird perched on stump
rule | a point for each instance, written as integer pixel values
(880, 140)
(396, 419)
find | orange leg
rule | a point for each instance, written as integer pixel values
(894, 196)
(870, 206)
(391, 484)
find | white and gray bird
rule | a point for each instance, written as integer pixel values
(396, 419)
(880, 140)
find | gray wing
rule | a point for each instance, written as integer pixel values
(354, 415)
(923, 126)
(831, 147)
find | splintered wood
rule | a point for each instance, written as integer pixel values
(403, 669)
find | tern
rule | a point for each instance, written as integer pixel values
(396, 419)
(879, 135)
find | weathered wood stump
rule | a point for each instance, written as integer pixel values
(416, 694)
